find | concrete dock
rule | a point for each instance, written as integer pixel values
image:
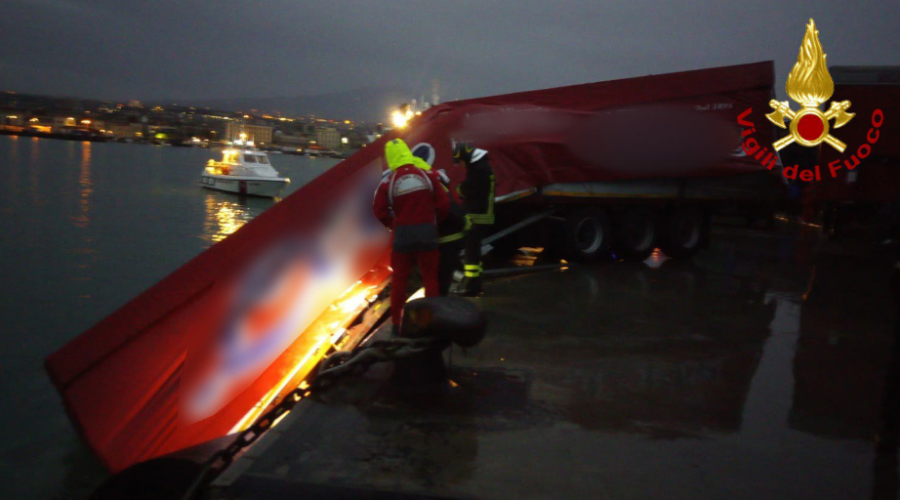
(757, 370)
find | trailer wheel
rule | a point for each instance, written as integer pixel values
(636, 234)
(587, 235)
(682, 232)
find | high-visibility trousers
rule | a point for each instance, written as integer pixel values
(472, 266)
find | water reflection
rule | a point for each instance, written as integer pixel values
(842, 349)
(12, 160)
(768, 399)
(665, 348)
(34, 167)
(223, 217)
(86, 253)
(86, 186)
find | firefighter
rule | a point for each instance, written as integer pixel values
(477, 191)
(451, 232)
(411, 202)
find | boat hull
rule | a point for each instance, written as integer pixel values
(249, 186)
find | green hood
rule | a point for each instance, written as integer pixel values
(397, 154)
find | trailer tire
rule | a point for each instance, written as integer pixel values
(681, 235)
(587, 235)
(636, 234)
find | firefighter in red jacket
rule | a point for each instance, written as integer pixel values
(411, 202)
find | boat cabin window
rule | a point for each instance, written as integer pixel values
(249, 158)
(262, 160)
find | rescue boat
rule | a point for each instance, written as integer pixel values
(243, 170)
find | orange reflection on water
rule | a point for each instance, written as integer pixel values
(223, 218)
(34, 167)
(86, 185)
(14, 148)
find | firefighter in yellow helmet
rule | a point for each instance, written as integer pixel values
(477, 191)
(411, 202)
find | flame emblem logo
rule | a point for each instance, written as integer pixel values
(810, 84)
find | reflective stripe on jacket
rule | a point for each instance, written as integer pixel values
(477, 190)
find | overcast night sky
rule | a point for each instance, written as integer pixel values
(187, 49)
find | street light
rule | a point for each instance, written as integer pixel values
(401, 116)
(399, 119)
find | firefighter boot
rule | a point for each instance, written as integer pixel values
(470, 286)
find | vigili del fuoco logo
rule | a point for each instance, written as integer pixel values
(810, 84)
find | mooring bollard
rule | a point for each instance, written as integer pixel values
(449, 320)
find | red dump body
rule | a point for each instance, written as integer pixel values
(661, 126)
(190, 359)
(200, 354)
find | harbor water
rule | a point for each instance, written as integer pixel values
(84, 227)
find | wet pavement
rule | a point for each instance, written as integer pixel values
(755, 371)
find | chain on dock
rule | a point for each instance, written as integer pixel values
(333, 368)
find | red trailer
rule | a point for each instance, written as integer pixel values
(204, 352)
(621, 167)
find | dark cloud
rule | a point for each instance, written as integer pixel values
(190, 50)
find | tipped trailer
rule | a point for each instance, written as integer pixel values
(619, 168)
(203, 353)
